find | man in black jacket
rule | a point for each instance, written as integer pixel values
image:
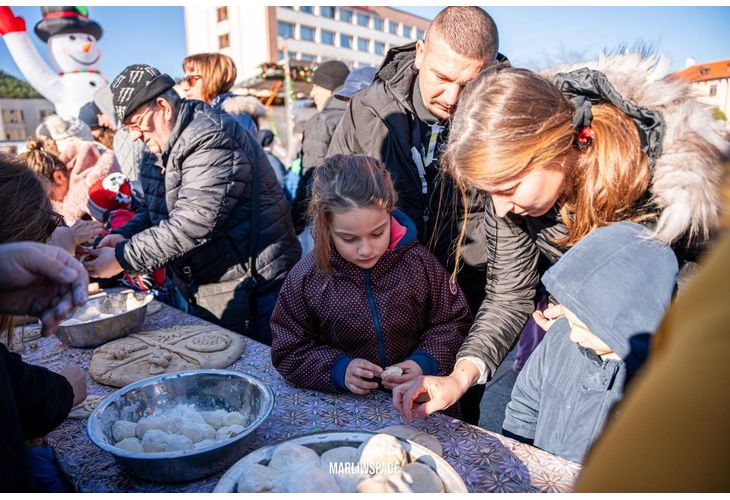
(403, 120)
(215, 213)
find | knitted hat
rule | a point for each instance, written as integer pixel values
(330, 74)
(60, 20)
(358, 79)
(136, 85)
(89, 113)
(110, 193)
(66, 131)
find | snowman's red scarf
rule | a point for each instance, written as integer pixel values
(76, 71)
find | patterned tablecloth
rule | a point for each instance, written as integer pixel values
(487, 462)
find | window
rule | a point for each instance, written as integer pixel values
(327, 12)
(345, 41)
(345, 15)
(363, 45)
(406, 31)
(286, 30)
(379, 48)
(15, 134)
(393, 27)
(377, 24)
(308, 57)
(223, 41)
(222, 13)
(12, 115)
(328, 37)
(713, 90)
(420, 34)
(363, 19)
(307, 10)
(306, 33)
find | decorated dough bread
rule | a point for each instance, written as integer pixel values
(382, 450)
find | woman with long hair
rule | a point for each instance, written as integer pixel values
(606, 142)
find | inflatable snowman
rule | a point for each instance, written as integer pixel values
(72, 45)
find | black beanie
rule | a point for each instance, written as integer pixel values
(136, 85)
(330, 75)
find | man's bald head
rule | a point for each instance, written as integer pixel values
(469, 31)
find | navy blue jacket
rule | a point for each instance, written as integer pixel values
(619, 283)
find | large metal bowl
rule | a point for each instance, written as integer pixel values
(323, 441)
(205, 390)
(123, 322)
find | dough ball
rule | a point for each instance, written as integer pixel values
(430, 442)
(175, 425)
(193, 417)
(194, 432)
(216, 419)
(310, 479)
(401, 431)
(420, 478)
(255, 478)
(381, 450)
(204, 443)
(123, 429)
(383, 484)
(207, 430)
(412, 434)
(178, 443)
(155, 441)
(228, 431)
(151, 422)
(392, 370)
(234, 418)
(343, 458)
(289, 457)
(130, 444)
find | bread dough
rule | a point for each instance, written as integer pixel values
(123, 429)
(234, 418)
(216, 418)
(383, 484)
(84, 409)
(420, 478)
(392, 370)
(381, 450)
(204, 443)
(145, 424)
(255, 478)
(339, 457)
(419, 437)
(193, 417)
(308, 479)
(155, 441)
(176, 442)
(289, 457)
(129, 359)
(130, 444)
(228, 431)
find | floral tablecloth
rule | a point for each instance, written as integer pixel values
(487, 462)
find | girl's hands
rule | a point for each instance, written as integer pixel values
(360, 374)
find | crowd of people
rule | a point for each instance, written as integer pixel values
(445, 201)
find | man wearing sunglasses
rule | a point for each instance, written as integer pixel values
(215, 213)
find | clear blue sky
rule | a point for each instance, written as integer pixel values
(533, 37)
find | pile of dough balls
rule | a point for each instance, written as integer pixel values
(179, 429)
(298, 469)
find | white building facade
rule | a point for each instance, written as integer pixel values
(20, 117)
(252, 35)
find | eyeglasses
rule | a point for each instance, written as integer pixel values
(191, 79)
(136, 125)
(55, 220)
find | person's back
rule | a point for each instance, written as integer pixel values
(615, 286)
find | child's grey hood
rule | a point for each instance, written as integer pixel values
(618, 281)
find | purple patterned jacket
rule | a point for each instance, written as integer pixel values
(402, 308)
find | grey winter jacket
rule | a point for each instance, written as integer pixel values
(619, 282)
(198, 213)
(379, 122)
(318, 132)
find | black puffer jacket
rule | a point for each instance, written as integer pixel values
(379, 122)
(198, 212)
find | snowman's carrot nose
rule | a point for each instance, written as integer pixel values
(86, 47)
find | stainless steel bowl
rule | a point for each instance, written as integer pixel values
(205, 390)
(323, 441)
(101, 331)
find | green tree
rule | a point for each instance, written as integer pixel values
(13, 88)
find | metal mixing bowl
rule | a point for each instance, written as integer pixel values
(100, 331)
(205, 390)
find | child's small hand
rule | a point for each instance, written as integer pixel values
(85, 230)
(77, 379)
(359, 375)
(410, 369)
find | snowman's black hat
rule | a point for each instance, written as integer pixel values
(59, 20)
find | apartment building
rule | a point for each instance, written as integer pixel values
(20, 117)
(710, 82)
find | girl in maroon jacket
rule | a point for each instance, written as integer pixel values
(369, 296)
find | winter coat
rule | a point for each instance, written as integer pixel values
(87, 162)
(197, 216)
(238, 107)
(379, 122)
(684, 189)
(402, 308)
(618, 282)
(34, 402)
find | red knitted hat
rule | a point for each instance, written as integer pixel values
(110, 193)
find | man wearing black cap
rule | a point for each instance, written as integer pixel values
(215, 213)
(318, 130)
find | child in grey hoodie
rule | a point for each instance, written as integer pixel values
(614, 287)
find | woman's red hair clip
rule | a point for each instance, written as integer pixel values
(585, 137)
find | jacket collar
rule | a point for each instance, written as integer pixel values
(185, 115)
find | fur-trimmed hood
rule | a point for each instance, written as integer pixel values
(244, 104)
(687, 176)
